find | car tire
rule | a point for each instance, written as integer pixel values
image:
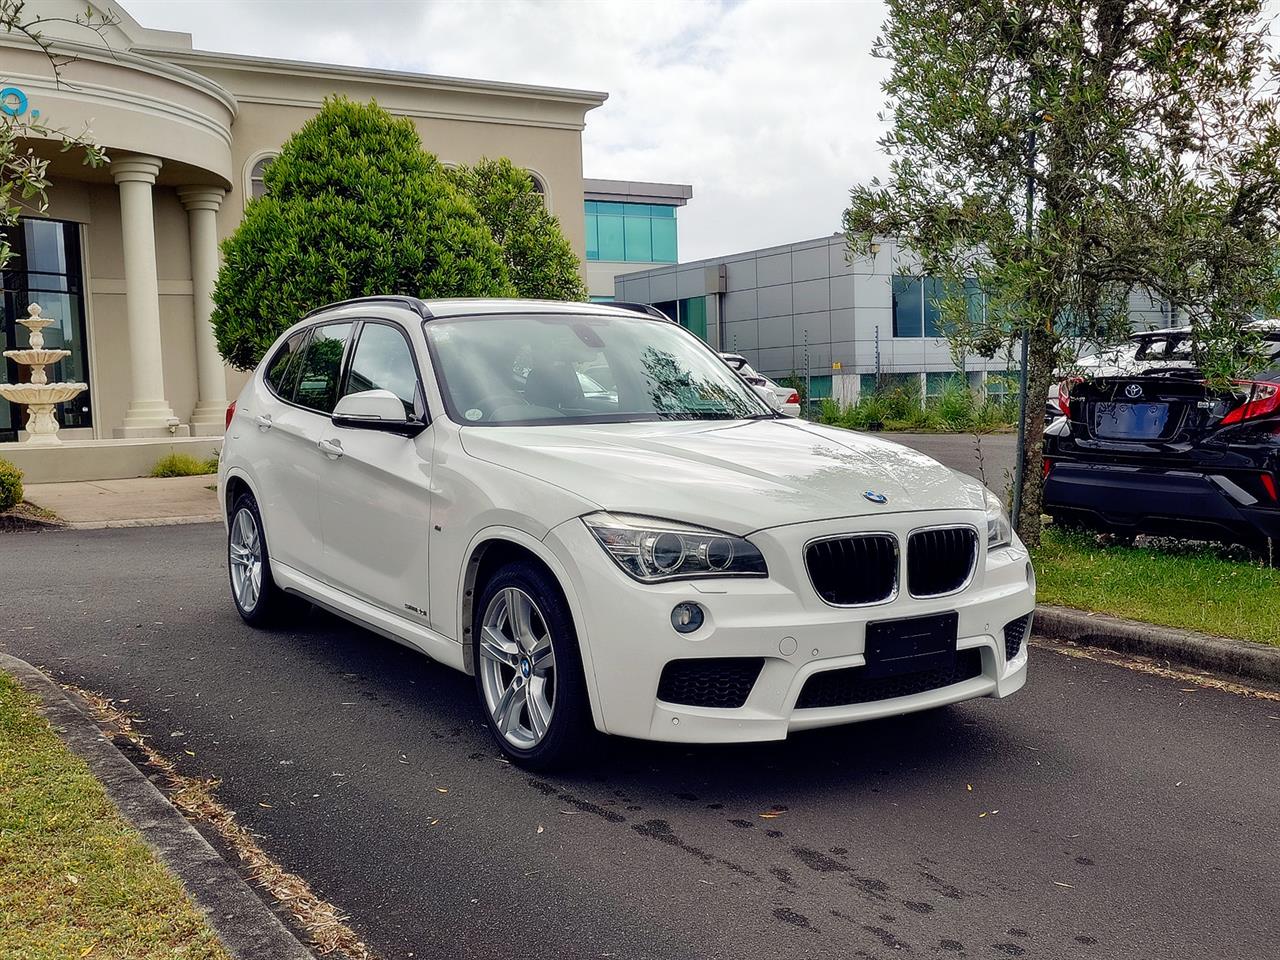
(528, 669)
(253, 590)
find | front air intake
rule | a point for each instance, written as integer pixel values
(709, 681)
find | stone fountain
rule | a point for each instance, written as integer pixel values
(39, 396)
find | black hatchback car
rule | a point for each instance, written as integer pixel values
(1162, 453)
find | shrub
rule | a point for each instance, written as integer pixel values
(10, 486)
(539, 260)
(354, 207)
(955, 409)
(184, 465)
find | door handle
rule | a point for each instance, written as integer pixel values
(264, 421)
(331, 448)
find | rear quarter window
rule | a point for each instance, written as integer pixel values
(277, 373)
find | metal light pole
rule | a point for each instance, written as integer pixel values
(1018, 470)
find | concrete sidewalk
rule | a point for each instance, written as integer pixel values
(138, 502)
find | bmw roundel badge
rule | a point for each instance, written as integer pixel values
(875, 497)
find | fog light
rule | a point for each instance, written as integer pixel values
(687, 617)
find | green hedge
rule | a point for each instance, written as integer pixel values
(10, 486)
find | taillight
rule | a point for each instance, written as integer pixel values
(231, 412)
(793, 398)
(1269, 485)
(1264, 400)
(1064, 394)
(1048, 466)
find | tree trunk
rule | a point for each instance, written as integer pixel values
(1040, 372)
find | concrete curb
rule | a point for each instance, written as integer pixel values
(1239, 657)
(246, 926)
(140, 522)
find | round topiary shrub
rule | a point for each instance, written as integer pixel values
(10, 486)
(539, 259)
(354, 207)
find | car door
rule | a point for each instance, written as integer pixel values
(375, 488)
(294, 461)
(267, 438)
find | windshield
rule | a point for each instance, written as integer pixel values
(540, 369)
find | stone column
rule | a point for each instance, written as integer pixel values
(148, 413)
(210, 415)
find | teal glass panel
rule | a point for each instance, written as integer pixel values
(604, 206)
(907, 305)
(637, 240)
(635, 209)
(935, 291)
(658, 210)
(664, 241)
(820, 387)
(593, 238)
(693, 315)
(591, 206)
(602, 299)
(609, 233)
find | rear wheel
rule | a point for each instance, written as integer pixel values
(254, 590)
(529, 674)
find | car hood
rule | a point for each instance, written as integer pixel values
(737, 476)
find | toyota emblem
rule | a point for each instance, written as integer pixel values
(1133, 391)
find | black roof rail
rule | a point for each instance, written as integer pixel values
(647, 308)
(413, 303)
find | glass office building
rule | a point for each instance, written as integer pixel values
(629, 224)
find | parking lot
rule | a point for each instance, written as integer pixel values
(1101, 812)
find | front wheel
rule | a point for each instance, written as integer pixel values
(528, 670)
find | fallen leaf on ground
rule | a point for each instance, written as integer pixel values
(442, 789)
(539, 828)
(1061, 884)
(770, 816)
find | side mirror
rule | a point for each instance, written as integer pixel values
(375, 410)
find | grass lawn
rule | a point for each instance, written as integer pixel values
(1178, 586)
(76, 881)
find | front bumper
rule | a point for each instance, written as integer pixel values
(627, 639)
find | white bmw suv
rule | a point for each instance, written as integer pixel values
(659, 556)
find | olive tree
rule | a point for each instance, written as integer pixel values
(1061, 154)
(354, 207)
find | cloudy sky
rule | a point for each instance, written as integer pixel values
(768, 107)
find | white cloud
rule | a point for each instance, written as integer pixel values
(767, 107)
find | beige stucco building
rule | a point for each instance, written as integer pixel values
(127, 258)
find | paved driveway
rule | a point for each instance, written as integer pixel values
(1126, 815)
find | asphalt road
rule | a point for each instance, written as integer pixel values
(989, 458)
(1126, 815)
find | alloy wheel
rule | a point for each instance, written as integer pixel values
(517, 668)
(245, 553)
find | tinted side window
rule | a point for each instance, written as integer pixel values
(320, 368)
(277, 369)
(382, 361)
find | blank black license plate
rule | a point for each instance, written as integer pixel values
(911, 645)
(1130, 421)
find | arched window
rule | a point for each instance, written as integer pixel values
(257, 183)
(539, 187)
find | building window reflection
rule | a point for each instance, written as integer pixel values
(46, 268)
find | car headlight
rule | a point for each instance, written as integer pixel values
(652, 550)
(999, 529)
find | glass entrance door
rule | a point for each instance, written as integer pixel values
(46, 268)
